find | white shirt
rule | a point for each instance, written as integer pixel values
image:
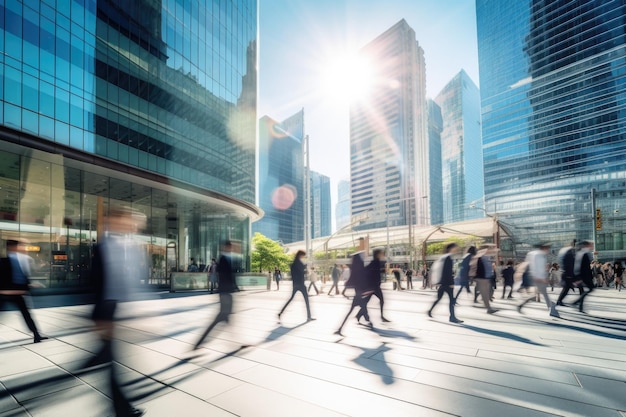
(537, 262)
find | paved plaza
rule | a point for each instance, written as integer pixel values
(507, 364)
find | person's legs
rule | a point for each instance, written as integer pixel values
(567, 286)
(293, 294)
(226, 307)
(450, 292)
(542, 288)
(440, 292)
(19, 301)
(305, 294)
(484, 288)
(355, 303)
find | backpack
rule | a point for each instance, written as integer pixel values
(480, 268)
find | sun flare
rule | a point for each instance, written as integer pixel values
(347, 79)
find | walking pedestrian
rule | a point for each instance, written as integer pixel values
(445, 280)
(212, 273)
(463, 274)
(227, 285)
(345, 277)
(507, 275)
(409, 279)
(297, 278)
(397, 285)
(362, 288)
(372, 273)
(481, 267)
(14, 283)
(335, 274)
(313, 278)
(537, 264)
(118, 260)
(567, 259)
(278, 276)
(583, 272)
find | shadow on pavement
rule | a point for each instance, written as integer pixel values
(499, 333)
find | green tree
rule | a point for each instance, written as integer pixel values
(267, 254)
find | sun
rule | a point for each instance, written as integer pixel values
(347, 79)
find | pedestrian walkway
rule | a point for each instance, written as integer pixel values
(505, 364)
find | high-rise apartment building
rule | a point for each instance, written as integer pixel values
(321, 211)
(389, 167)
(435, 194)
(342, 208)
(554, 118)
(281, 176)
(146, 104)
(461, 149)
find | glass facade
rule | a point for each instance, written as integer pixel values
(388, 134)
(461, 155)
(321, 212)
(163, 92)
(435, 126)
(342, 208)
(281, 179)
(553, 78)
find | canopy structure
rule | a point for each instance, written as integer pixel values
(396, 239)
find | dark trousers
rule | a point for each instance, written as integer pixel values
(464, 286)
(378, 292)
(18, 300)
(409, 282)
(335, 286)
(445, 289)
(277, 283)
(568, 284)
(303, 290)
(581, 300)
(358, 301)
(312, 284)
(504, 290)
(226, 308)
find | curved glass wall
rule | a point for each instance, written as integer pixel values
(553, 76)
(168, 86)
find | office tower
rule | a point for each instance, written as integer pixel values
(127, 103)
(320, 205)
(281, 176)
(342, 208)
(388, 141)
(554, 125)
(435, 126)
(461, 149)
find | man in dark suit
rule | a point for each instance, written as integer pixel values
(567, 260)
(582, 270)
(226, 285)
(362, 287)
(446, 280)
(372, 274)
(14, 283)
(297, 278)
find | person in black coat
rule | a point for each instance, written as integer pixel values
(297, 278)
(14, 283)
(567, 261)
(446, 281)
(372, 273)
(508, 275)
(226, 285)
(362, 287)
(582, 270)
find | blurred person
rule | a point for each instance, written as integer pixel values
(583, 272)
(345, 277)
(15, 272)
(193, 266)
(278, 276)
(463, 274)
(619, 273)
(397, 285)
(567, 259)
(227, 285)
(297, 278)
(507, 276)
(481, 268)
(313, 279)
(425, 282)
(445, 279)
(362, 288)
(554, 275)
(119, 263)
(537, 265)
(409, 279)
(372, 273)
(335, 274)
(212, 275)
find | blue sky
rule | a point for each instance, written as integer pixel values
(298, 39)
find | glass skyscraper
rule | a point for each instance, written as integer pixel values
(342, 208)
(320, 205)
(281, 179)
(150, 104)
(388, 134)
(435, 126)
(461, 154)
(553, 88)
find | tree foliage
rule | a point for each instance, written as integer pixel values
(267, 254)
(437, 248)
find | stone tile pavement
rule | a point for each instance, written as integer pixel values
(505, 364)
